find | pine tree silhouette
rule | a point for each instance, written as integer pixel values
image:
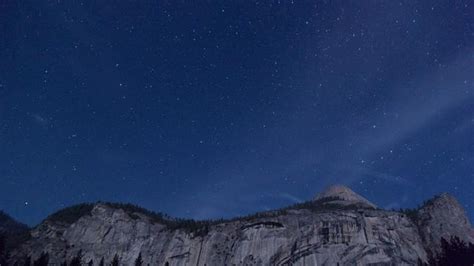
(3, 251)
(27, 261)
(139, 260)
(43, 260)
(115, 261)
(77, 260)
(454, 252)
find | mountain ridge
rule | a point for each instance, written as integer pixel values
(324, 201)
(329, 224)
(321, 197)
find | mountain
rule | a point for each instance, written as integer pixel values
(12, 232)
(338, 227)
(343, 195)
(442, 217)
(8, 224)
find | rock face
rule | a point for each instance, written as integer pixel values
(338, 228)
(443, 216)
(342, 195)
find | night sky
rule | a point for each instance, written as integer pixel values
(208, 109)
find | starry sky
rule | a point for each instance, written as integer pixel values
(208, 109)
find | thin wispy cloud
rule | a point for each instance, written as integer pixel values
(40, 120)
(290, 197)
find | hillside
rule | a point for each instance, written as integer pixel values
(12, 231)
(337, 227)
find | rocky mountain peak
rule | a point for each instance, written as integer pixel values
(445, 206)
(340, 194)
(443, 200)
(443, 217)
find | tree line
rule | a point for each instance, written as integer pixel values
(43, 259)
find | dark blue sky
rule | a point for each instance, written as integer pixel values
(223, 108)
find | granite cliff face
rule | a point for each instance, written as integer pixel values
(440, 217)
(339, 227)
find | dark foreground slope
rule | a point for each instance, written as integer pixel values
(12, 233)
(338, 227)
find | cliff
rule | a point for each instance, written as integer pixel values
(339, 227)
